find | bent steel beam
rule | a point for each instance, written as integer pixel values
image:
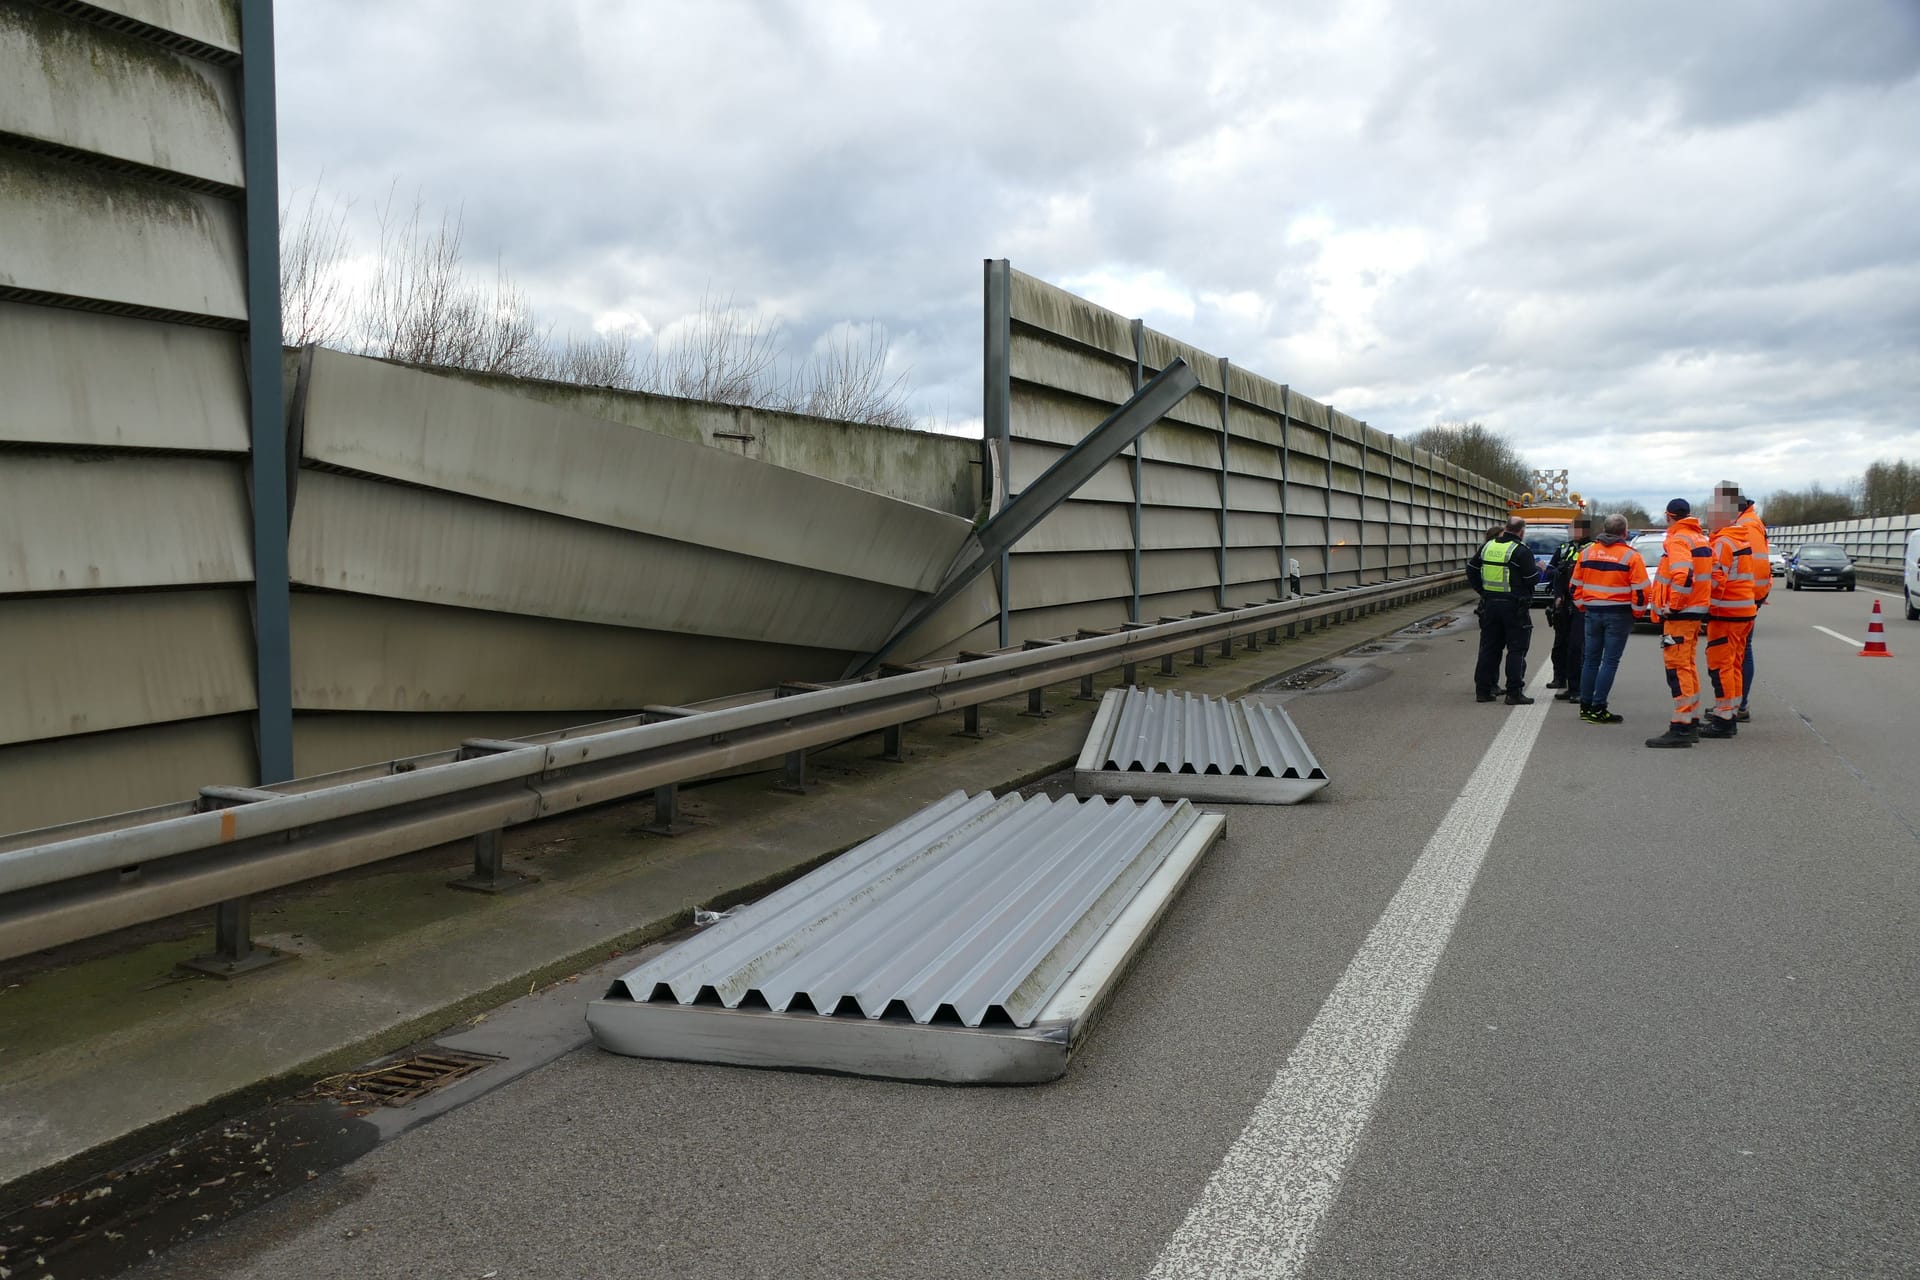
(1038, 500)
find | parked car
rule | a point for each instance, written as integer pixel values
(1778, 562)
(1911, 576)
(1820, 564)
(1543, 540)
(1650, 546)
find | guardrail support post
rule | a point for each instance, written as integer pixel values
(793, 773)
(1226, 646)
(1036, 697)
(666, 813)
(233, 951)
(891, 745)
(1200, 650)
(1130, 674)
(490, 874)
(970, 723)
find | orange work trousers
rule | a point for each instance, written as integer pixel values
(1680, 653)
(1726, 654)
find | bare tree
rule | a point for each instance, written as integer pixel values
(421, 305)
(601, 360)
(314, 306)
(1476, 448)
(848, 379)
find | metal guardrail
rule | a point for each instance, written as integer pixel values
(86, 879)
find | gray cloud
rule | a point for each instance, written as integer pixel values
(1656, 243)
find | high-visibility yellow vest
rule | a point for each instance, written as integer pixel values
(1496, 573)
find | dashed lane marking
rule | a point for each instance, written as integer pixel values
(1262, 1210)
(1837, 636)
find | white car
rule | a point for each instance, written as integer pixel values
(1779, 563)
(1912, 576)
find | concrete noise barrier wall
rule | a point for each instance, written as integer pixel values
(1877, 543)
(126, 539)
(1210, 505)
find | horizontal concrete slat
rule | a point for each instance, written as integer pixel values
(105, 237)
(1035, 302)
(1112, 483)
(389, 540)
(1082, 526)
(451, 434)
(922, 467)
(1068, 577)
(361, 653)
(76, 378)
(1164, 485)
(68, 779)
(213, 22)
(1034, 359)
(1252, 529)
(86, 522)
(1168, 571)
(85, 664)
(1168, 528)
(76, 84)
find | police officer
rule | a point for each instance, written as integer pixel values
(1569, 629)
(1502, 574)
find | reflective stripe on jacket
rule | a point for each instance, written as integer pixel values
(1683, 583)
(1749, 528)
(1610, 575)
(1733, 581)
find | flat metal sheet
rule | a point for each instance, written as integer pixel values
(970, 943)
(1146, 742)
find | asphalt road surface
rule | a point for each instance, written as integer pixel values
(1514, 996)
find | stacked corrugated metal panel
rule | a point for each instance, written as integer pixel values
(970, 942)
(1151, 742)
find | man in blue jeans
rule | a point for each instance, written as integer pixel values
(1609, 587)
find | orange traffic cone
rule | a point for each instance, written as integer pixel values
(1876, 637)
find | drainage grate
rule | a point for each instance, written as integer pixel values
(398, 1083)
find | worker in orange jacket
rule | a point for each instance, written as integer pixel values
(1755, 532)
(1678, 600)
(1609, 588)
(1731, 606)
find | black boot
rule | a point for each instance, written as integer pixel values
(1675, 736)
(1718, 727)
(1518, 698)
(1556, 683)
(1598, 714)
(1570, 694)
(1483, 697)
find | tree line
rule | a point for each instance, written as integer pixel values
(1887, 488)
(414, 299)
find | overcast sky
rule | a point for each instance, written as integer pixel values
(1658, 243)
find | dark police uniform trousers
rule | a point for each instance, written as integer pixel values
(1505, 623)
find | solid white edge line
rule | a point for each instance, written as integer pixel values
(1261, 1212)
(1837, 636)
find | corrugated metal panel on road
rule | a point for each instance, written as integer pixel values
(1149, 742)
(974, 917)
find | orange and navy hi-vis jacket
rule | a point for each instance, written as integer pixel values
(1733, 576)
(1610, 575)
(1684, 581)
(1747, 524)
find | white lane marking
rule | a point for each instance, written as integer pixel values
(1891, 595)
(1837, 636)
(1260, 1212)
